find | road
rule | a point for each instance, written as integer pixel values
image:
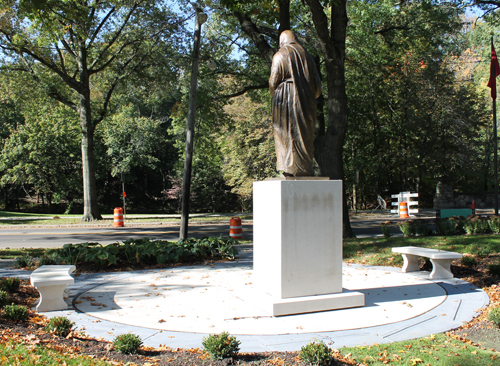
(49, 237)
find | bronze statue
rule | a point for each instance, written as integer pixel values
(294, 84)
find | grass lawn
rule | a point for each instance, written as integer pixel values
(17, 353)
(14, 218)
(435, 350)
(377, 251)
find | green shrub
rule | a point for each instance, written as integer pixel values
(59, 325)
(10, 284)
(448, 226)
(50, 260)
(476, 225)
(407, 228)
(494, 269)
(422, 227)
(494, 316)
(386, 229)
(24, 261)
(127, 343)
(4, 298)
(147, 252)
(316, 353)
(468, 261)
(15, 312)
(220, 346)
(494, 223)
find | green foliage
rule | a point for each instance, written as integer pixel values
(132, 140)
(24, 261)
(422, 227)
(316, 353)
(127, 343)
(147, 252)
(386, 229)
(4, 298)
(15, 313)
(448, 226)
(221, 346)
(494, 316)
(468, 261)
(49, 259)
(10, 284)
(248, 145)
(59, 325)
(415, 92)
(494, 269)
(476, 225)
(407, 227)
(494, 223)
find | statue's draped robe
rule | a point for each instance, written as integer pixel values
(295, 85)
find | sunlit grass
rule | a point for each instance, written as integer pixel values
(377, 251)
(14, 353)
(435, 350)
(13, 218)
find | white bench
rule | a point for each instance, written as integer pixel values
(441, 260)
(51, 281)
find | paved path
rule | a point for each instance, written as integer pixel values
(179, 306)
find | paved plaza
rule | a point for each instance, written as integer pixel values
(179, 306)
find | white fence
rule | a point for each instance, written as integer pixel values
(405, 197)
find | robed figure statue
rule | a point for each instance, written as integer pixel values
(294, 84)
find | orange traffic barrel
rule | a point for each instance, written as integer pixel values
(118, 217)
(235, 229)
(403, 210)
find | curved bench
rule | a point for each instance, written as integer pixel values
(441, 260)
(51, 281)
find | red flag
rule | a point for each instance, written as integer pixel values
(473, 206)
(494, 72)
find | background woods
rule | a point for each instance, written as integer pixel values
(96, 94)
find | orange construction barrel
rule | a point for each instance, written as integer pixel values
(235, 229)
(403, 210)
(118, 217)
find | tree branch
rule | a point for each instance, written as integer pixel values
(384, 31)
(243, 91)
(258, 39)
(115, 37)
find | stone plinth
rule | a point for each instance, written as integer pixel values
(298, 245)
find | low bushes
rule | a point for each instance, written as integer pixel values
(472, 225)
(60, 326)
(15, 312)
(137, 252)
(127, 343)
(316, 353)
(221, 346)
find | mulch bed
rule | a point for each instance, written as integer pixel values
(479, 332)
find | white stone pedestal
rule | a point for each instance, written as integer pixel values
(297, 227)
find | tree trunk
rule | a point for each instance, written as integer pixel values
(328, 148)
(90, 206)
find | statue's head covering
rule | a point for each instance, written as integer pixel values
(287, 37)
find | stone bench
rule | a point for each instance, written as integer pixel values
(51, 281)
(441, 260)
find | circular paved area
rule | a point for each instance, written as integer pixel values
(208, 300)
(178, 307)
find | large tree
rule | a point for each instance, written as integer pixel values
(81, 52)
(325, 24)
